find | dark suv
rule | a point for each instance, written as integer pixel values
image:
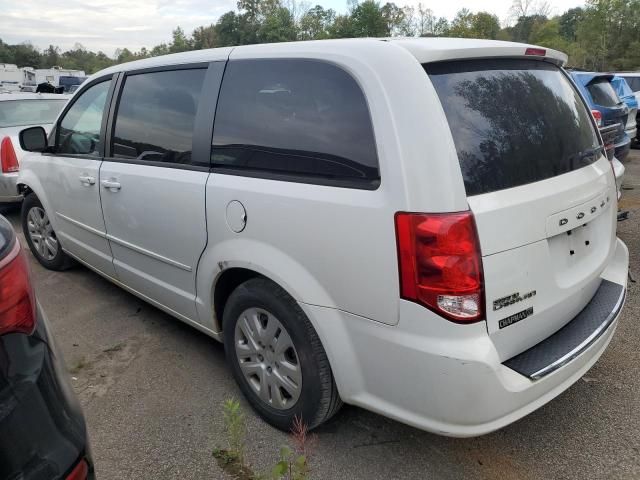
(607, 108)
(42, 429)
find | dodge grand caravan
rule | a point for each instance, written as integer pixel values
(425, 228)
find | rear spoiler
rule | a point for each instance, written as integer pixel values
(604, 76)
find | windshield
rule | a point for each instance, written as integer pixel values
(16, 113)
(513, 121)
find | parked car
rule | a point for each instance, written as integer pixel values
(363, 222)
(623, 90)
(609, 135)
(18, 110)
(42, 429)
(605, 105)
(633, 80)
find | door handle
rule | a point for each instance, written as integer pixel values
(111, 185)
(87, 180)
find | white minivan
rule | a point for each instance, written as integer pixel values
(425, 228)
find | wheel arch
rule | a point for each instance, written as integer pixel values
(226, 265)
(29, 183)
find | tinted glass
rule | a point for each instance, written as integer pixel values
(304, 119)
(513, 121)
(156, 116)
(79, 131)
(621, 87)
(634, 83)
(603, 93)
(17, 113)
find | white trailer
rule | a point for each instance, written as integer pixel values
(52, 75)
(10, 77)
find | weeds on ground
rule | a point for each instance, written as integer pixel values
(232, 459)
(78, 365)
(292, 463)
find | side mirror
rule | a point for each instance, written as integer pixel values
(33, 139)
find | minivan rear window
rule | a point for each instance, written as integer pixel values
(513, 121)
(602, 93)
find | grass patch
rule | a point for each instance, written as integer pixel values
(78, 365)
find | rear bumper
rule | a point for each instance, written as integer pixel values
(42, 429)
(443, 377)
(8, 188)
(622, 149)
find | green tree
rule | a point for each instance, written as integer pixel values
(548, 35)
(277, 26)
(342, 27)
(368, 20)
(485, 25)
(315, 23)
(521, 31)
(180, 41)
(205, 37)
(228, 29)
(462, 24)
(50, 57)
(568, 23)
(162, 49)
(394, 18)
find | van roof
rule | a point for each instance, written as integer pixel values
(425, 50)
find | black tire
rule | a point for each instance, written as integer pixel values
(319, 399)
(61, 261)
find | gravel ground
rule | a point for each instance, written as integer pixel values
(152, 387)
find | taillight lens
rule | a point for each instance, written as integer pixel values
(80, 471)
(440, 263)
(597, 116)
(538, 52)
(8, 156)
(17, 301)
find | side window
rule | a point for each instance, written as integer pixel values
(79, 132)
(302, 119)
(634, 83)
(156, 116)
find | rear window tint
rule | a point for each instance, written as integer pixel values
(297, 120)
(513, 122)
(634, 83)
(603, 93)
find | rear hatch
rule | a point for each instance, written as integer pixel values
(540, 187)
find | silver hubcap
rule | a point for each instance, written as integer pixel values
(268, 359)
(41, 234)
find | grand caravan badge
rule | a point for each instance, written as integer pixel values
(512, 299)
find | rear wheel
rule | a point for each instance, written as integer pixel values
(276, 356)
(41, 237)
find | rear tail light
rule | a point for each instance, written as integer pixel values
(8, 156)
(538, 52)
(79, 472)
(17, 301)
(597, 116)
(440, 263)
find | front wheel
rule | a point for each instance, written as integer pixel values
(276, 356)
(41, 238)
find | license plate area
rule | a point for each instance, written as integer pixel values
(577, 253)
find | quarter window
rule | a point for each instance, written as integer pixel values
(301, 120)
(79, 132)
(156, 116)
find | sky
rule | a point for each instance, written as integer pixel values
(111, 24)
